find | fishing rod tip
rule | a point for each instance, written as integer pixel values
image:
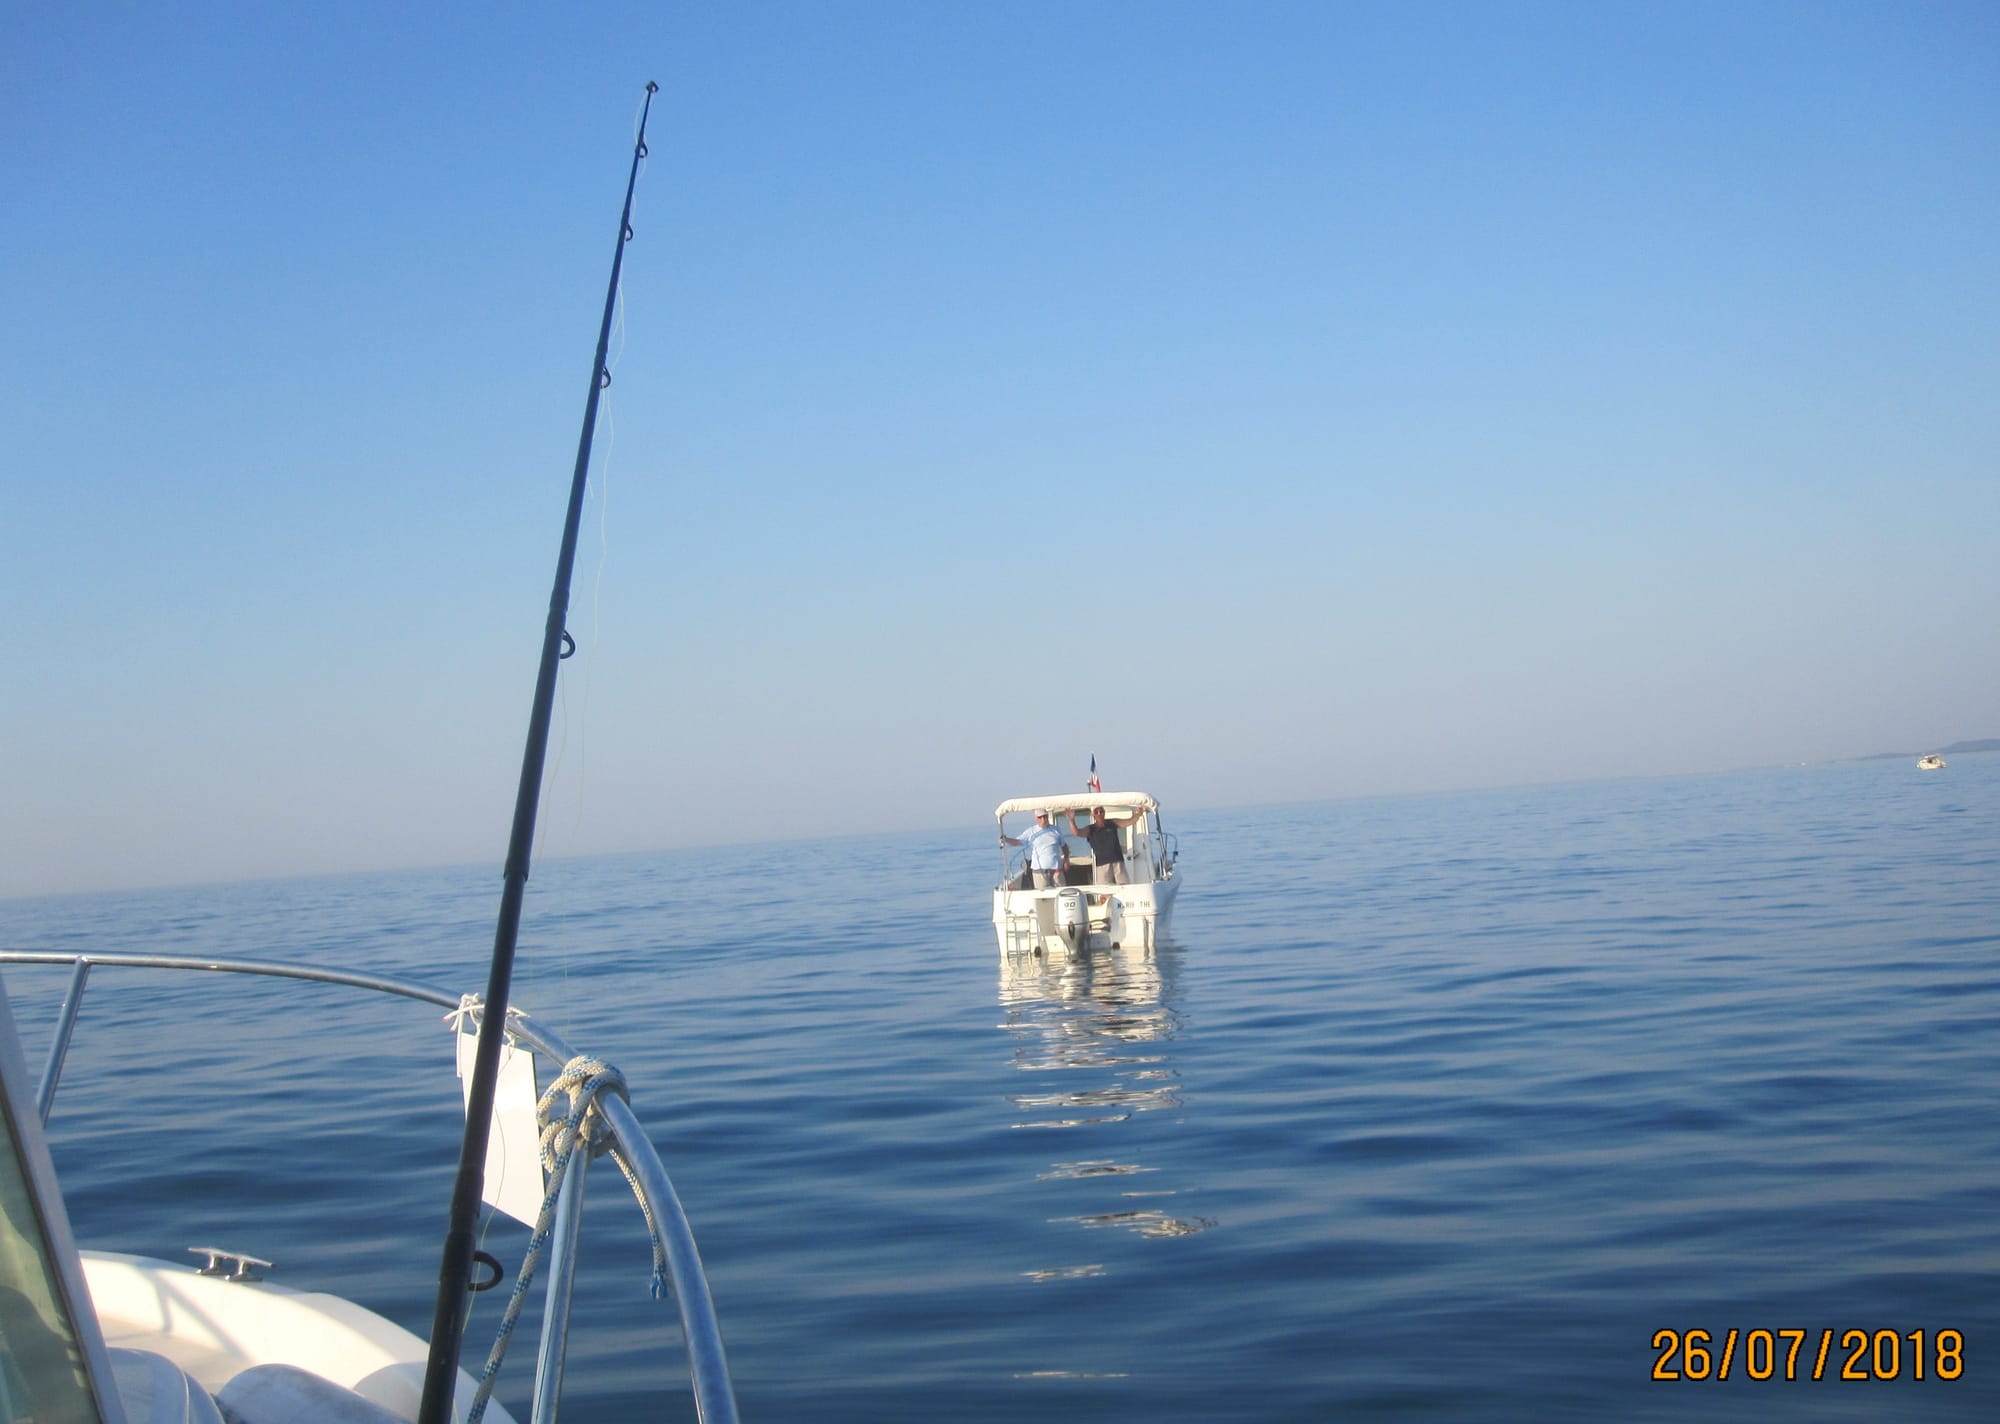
(651, 87)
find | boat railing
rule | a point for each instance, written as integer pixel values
(708, 1366)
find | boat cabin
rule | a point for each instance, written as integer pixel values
(1133, 814)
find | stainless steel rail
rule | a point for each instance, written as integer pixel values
(708, 1364)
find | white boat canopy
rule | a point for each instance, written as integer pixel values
(1079, 801)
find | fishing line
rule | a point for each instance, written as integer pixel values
(607, 417)
(608, 422)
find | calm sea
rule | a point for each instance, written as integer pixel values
(1434, 1108)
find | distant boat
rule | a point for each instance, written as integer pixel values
(1932, 762)
(1088, 906)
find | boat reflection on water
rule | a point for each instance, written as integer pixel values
(1099, 1024)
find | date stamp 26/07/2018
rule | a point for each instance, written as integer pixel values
(1684, 1356)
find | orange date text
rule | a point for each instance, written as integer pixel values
(1683, 1356)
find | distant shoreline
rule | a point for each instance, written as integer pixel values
(1984, 744)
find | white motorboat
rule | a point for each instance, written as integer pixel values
(1088, 902)
(1930, 762)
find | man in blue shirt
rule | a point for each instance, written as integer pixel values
(1045, 850)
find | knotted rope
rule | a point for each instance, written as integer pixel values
(583, 1079)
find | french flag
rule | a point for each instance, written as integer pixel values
(1092, 783)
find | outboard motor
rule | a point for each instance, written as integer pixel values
(1072, 919)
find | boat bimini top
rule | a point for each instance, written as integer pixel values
(1078, 801)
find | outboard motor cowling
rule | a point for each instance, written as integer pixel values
(1072, 918)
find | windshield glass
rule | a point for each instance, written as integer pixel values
(41, 1363)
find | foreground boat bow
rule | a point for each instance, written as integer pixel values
(239, 1340)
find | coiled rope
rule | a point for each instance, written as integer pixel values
(582, 1079)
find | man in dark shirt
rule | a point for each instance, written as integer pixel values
(1107, 848)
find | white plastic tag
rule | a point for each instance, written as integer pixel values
(513, 1153)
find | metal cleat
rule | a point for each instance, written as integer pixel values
(233, 1265)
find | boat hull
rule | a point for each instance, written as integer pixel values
(1029, 921)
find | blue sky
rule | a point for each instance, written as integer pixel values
(1277, 401)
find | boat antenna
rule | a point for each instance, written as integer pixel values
(455, 1270)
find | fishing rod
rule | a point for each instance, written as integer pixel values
(455, 1270)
